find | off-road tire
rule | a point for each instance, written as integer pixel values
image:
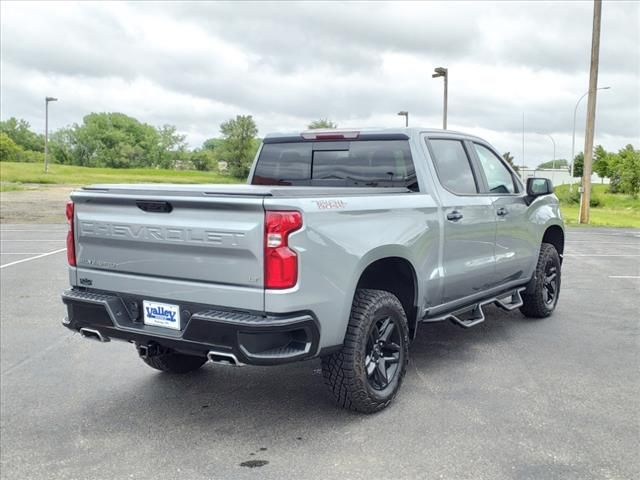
(172, 362)
(345, 372)
(535, 305)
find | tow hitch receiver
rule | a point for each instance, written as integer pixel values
(149, 350)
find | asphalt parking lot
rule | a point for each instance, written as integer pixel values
(512, 398)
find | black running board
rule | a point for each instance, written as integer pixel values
(473, 314)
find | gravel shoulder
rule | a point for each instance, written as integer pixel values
(41, 204)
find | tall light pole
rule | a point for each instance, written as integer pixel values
(405, 114)
(443, 72)
(573, 139)
(553, 160)
(46, 131)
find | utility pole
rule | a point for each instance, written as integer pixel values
(585, 197)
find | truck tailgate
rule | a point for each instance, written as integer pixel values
(181, 235)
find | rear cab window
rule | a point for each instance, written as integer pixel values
(355, 163)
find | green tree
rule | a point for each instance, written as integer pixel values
(509, 159)
(559, 163)
(171, 148)
(20, 132)
(212, 144)
(601, 160)
(578, 165)
(629, 170)
(10, 151)
(203, 159)
(239, 146)
(322, 123)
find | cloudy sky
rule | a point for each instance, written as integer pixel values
(195, 65)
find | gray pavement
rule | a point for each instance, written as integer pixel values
(510, 399)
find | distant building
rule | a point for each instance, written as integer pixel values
(559, 176)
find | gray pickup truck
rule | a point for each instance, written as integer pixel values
(342, 243)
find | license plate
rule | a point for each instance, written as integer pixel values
(161, 314)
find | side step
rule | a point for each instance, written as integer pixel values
(472, 315)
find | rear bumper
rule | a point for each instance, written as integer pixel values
(253, 338)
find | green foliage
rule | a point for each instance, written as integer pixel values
(578, 165)
(322, 123)
(119, 141)
(212, 144)
(509, 159)
(203, 160)
(20, 132)
(568, 197)
(601, 162)
(12, 152)
(559, 163)
(618, 210)
(628, 167)
(239, 146)
(9, 150)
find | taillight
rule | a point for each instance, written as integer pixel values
(280, 262)
(71, 248)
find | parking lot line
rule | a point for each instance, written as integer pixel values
(21, 253)
(625, 276)
(32, 258)
(600, 255)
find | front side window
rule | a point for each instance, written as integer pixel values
(452, 164)
(498, 176)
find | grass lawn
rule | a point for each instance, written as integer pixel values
(613, 210)
(14, 175)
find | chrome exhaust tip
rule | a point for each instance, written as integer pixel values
(92, 334)
(224, 358)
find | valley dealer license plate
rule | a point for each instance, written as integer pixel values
(161, 314)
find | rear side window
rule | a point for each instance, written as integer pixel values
(452, 164)
(374, 163)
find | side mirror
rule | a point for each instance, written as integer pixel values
(536, 187)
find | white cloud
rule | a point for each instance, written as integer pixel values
(195, 65)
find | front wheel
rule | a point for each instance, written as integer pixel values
(366, 374)
(543, 297)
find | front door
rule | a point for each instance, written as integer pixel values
(516, 247)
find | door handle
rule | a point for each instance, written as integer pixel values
(454, 216)
(502, 212)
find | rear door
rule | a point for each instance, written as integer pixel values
(516, 249)
(469, 221)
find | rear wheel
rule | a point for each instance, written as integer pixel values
(366, 374)
(172, 362)
(543, 297)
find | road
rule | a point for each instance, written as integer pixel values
(509, 399)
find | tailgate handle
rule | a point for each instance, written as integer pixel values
(154, 207)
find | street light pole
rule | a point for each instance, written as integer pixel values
(573, 138)
(405, 114)
(443, 72)
(553, 160)
(46, 131)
